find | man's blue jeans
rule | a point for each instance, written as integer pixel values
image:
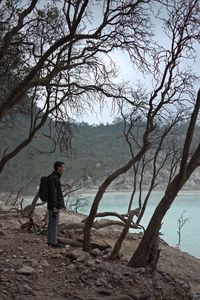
(52, 228)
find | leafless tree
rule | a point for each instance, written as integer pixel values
(181, 223)
(57, 58)
(147, 251)
(72, 194)
(183, 26)
(154, 160)
(171, 99)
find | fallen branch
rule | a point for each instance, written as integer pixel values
(79, 243)
(97, 225)
(107, 213)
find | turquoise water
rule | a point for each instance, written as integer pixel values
(185, 201)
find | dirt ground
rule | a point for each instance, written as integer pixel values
(29, 269)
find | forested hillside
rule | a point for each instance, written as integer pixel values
(96, 152)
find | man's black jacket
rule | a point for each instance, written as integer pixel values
(55, 196)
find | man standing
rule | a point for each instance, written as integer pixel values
(55, 203)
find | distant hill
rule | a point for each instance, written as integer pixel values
(97, 152)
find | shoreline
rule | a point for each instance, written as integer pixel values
(53, 266)
(187, 201)
(95, 190)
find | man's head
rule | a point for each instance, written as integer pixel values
(59, 167)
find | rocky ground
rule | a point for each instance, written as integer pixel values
(31, 270)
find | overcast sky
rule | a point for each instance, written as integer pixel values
(128, 73)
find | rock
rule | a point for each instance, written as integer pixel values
(32, 262)
(196, 296)
(5, 270)
(71, 267)
(107, 251)
(55, 255)
(27, 290)
(99, 282)
(114, 297)
(2, 233)
(44, 263)
(109, 286)
(104, 292)
(25, 270)
(102, 282)
(96, 252)
(90, 263)
(78, 254)
(120, 297)
(40, 271)
(142, 297)
(20, 248)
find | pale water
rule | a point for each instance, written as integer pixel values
(185, 201)
(188, 201)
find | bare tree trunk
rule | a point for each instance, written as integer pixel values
(147, 251)
(118, 244)
(90, 219)
(29, 209)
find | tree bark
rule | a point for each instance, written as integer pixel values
(147, 251)
(90, 219)
(118, 244)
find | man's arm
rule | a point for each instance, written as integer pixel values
(52, 187)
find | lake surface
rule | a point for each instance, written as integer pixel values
(186, 201)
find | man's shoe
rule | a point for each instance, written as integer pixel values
(58, 245)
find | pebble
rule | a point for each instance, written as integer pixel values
(90, 263)
(96, 252)
(40, 271)
(104, 292)
(20, 248)
(27, 289)
(56, 256)
(32, 262)
(196, 296)
(44, 263)
(25, 270)
(71, 267)
(79, 255)
(5, 270)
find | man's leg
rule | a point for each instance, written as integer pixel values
(52, 228)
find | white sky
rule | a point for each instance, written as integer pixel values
(108, 113)
(128, 73)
